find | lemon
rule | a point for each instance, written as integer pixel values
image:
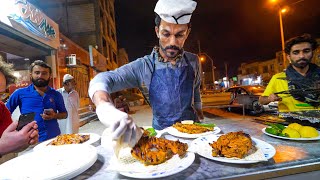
(308, 132)
(295, 126)
(292, 133)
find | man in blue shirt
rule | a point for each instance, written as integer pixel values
(41, 99)
(171, 76)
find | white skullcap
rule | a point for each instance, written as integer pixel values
(175, 11)
(67, 77)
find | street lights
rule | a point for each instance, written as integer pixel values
(202, 59)
(280, 11)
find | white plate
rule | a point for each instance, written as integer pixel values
(297, 139)
(172, 166)
(202, 147)
(55, 162)
(173, 131)
(93, 138)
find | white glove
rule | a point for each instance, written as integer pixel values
(122, 126)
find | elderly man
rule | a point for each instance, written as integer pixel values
(297, 89)
(71, 100)
(170, 74)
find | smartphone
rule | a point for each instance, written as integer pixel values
(25, 119)
(47, 111)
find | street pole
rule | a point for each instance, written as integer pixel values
(282, 39)
(213, 77)
(201, 70)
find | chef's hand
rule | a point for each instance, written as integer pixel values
(122, 126)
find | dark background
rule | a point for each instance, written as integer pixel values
(229, 31)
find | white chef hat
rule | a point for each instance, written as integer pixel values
(175, 11)
(67, 77)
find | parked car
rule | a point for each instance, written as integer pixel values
(249, 97)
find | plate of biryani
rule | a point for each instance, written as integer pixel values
(152, 157)
(190, 129)
(233, 147)
(63, 139)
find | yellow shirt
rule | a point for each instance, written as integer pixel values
(278, 83)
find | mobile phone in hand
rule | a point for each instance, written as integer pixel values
(25, 119)
(47, 111)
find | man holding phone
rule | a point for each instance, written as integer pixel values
(12, 140)
(40, 96)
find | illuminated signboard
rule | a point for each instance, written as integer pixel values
(26, 18)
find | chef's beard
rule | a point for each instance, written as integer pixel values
(171, 55)
(39, 83)
(301, 63)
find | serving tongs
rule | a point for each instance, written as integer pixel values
(300, 91)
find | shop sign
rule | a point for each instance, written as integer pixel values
(25, 17)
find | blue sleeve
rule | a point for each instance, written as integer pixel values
(128, 76)
(13, 101)
(60, 103)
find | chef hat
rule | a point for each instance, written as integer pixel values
(67, 77)
(175, 11)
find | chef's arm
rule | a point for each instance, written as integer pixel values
(100, 97)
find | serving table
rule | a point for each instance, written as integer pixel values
(291, 157)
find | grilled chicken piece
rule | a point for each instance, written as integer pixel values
(191, 128)
(69, 139)
(153, 151)
(233, 144)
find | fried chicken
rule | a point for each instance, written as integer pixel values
(191, 128)
(69, 139)
(152, 150)
(233, 144)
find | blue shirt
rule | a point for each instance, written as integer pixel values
(29, 100)
(139, 73)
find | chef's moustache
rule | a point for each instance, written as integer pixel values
(303, 59)
(172, 47)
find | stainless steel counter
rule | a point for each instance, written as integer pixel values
(291, 157)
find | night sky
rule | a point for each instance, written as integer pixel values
(229, 31)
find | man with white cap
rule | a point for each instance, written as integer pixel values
(71, 100)
(170, 75)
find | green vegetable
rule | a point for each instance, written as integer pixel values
(272, 131)
(280, 126)
(205, 125)
(275, 129)
(152, 132)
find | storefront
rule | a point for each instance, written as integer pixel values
(26, 35)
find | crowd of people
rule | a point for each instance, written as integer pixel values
(48, 105)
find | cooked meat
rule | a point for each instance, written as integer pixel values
(233, 144)
(191, 128)
(152, 150)
(69, 139)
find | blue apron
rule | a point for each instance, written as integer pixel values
(171, 95)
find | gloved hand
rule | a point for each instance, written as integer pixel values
(122, 126)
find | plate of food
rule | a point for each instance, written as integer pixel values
(233, 147)
(192, 130)
(293, 131)
(152, 157)
(54, 162)
(63, 139)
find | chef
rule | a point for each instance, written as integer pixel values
(170, 74)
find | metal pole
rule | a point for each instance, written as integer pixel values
(213, 77)
(282, 39)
